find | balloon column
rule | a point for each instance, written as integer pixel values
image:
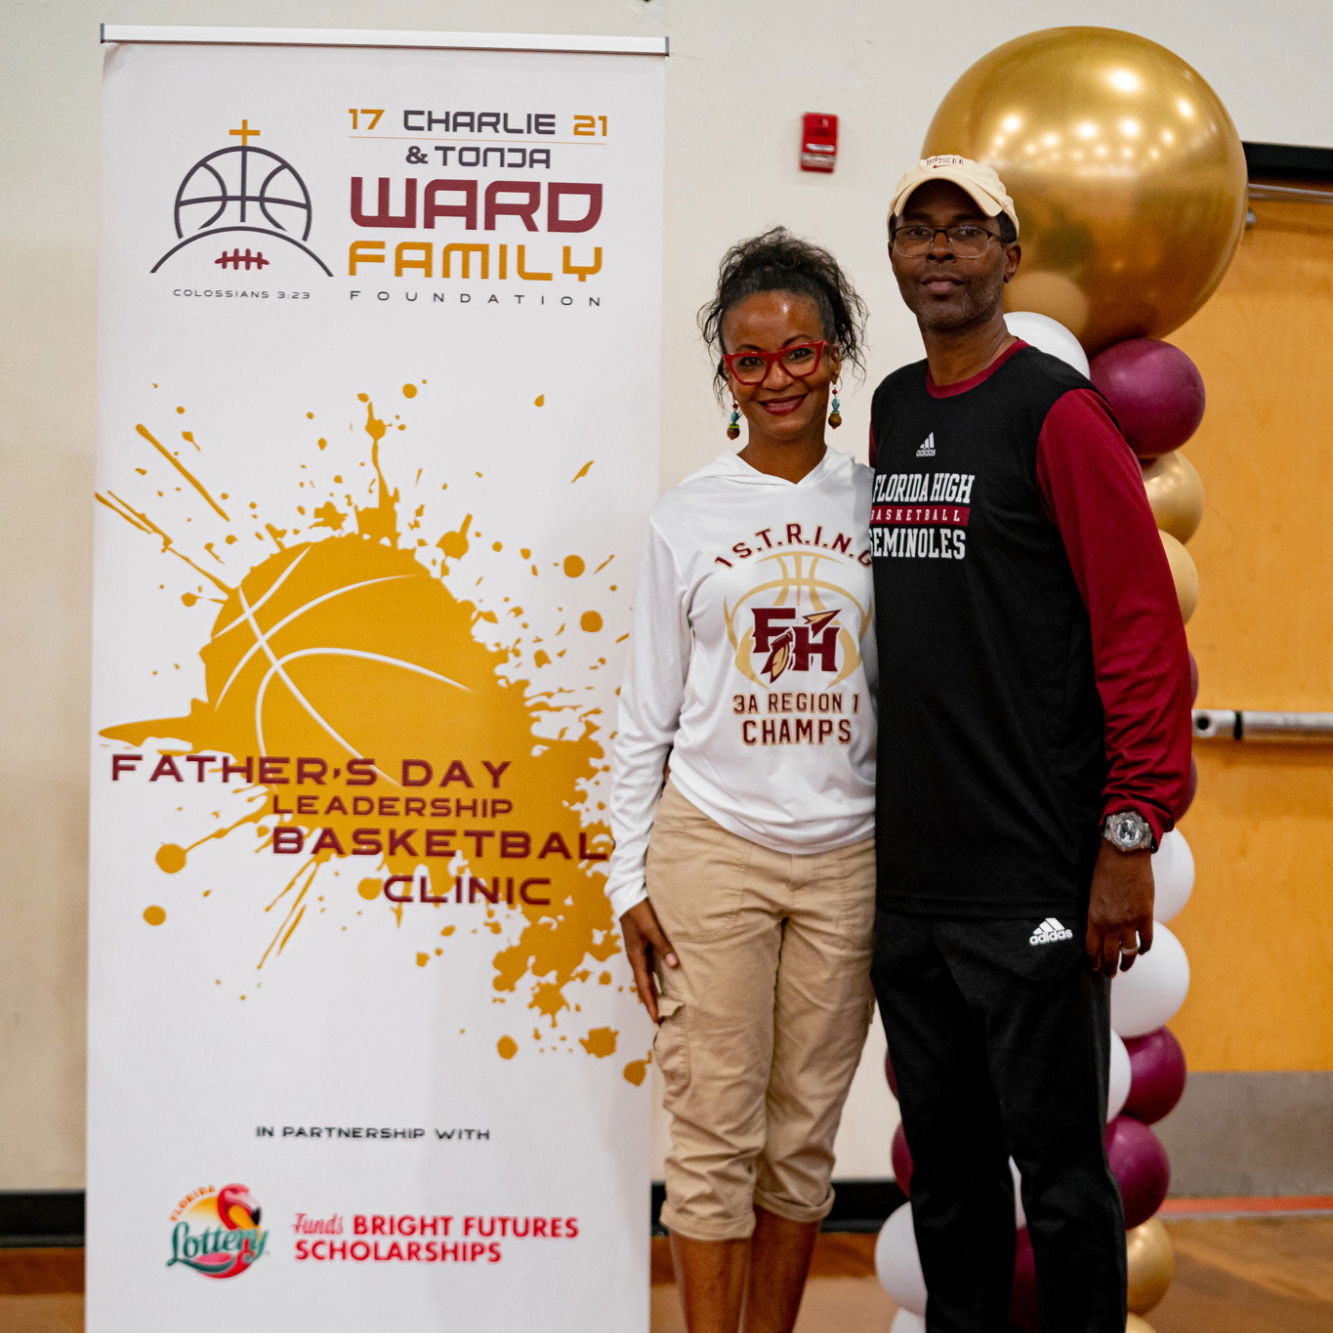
(1130, 184)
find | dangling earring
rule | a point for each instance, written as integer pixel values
(834, 416)
(734, 425)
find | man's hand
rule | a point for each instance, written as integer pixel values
(644, 938)
(1119, 910)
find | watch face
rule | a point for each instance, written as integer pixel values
(1129, 830)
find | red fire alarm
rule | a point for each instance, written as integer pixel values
(819, 142)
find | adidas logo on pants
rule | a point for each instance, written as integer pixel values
(1049, 931)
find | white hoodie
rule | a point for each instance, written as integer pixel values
(751, 664)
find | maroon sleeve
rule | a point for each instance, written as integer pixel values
(1094, 491)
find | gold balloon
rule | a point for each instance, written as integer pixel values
(1125, 169)
(1152, 1264)
(1183, 573)
(1050, 294)
(1136, 1325)
(1175, 493)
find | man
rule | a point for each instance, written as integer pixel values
(1034, 747)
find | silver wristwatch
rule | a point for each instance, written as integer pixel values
(1128, 831)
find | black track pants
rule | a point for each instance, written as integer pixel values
(999, 1036)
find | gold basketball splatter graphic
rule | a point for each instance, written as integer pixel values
(390, 755)
(600, 1042)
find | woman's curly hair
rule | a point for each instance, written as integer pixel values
(777, 261)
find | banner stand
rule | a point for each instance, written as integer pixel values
(378, 432)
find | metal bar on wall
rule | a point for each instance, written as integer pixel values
(1251, 725)
(1290, 193)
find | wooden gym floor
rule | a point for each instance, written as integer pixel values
(1234, 1274)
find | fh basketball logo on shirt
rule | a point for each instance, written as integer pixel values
(796, 635)
(795, 642)
(797, 621)
(216, 1231)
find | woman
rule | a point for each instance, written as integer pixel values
(745, 883)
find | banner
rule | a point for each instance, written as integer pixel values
(378, 431)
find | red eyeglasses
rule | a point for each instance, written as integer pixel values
(800, 360)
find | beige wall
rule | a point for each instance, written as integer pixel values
(740, 74)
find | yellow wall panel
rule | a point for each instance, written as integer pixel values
(1259, 928)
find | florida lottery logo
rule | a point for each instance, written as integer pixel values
(216, 1231)
(244, 195)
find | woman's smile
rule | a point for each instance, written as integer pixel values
(779, 407)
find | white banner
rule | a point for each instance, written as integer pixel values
(379, 395)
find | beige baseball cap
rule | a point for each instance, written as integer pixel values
(976, 179)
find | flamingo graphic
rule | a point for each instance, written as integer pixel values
(238, 1210)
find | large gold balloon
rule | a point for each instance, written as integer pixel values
(1175, 494)
(1152, 1264)
(1125, 169)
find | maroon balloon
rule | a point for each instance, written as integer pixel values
(1156, 1075)
(1139, 1163)
(1194, 680)
(1191, 791)
(889, 1074)
(901, 1156)
(1155, 391)
(1023, 1304)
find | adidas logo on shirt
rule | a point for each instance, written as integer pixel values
(927, 449)
(1049, 931)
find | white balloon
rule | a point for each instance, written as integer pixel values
(1173, 875)
(897, 1263)
(1048, 335)
(1020, 1217)
(907, 1321)
(1149, 995)
(1118, 1085)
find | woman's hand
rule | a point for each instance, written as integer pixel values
(644, 938)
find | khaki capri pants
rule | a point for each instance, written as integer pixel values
(763, 1022)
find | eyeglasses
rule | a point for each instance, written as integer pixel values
(800, 361)
(966, 240)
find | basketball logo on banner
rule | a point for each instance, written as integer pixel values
(354, 712)
(243, 190)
